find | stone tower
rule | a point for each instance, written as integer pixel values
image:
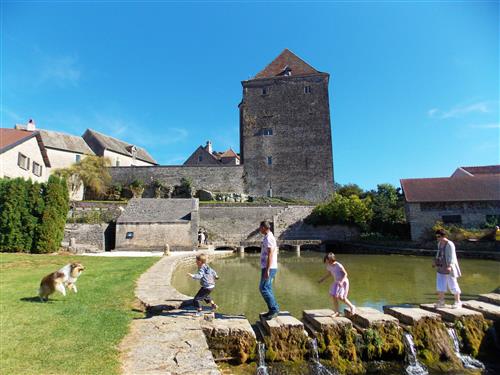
(285, 134)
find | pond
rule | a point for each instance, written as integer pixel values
(375, 281)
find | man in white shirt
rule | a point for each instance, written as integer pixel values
(269, 267)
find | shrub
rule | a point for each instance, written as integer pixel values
(14, 215)
(459, 233)
(51, 230)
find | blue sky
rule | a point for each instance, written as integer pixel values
(414, 88)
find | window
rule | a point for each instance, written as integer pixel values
(270, 193)
(78, 157)
(129, 235)
(23, 161)
(269, 160)
(200, 158)
(267, 131)
(452, 219)
(37, 169)
(117, 162)
(265, 91)
(307, 90)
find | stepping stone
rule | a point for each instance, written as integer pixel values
(493, 298)
(488, 310)
(229, 337)
(284, 337)
(449, 314)
(366, 317)
(322, 319)
(410, 315)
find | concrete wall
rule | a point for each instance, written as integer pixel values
(218, 178)
(10, 169)
(422, 217)
(88, 236)
(300, 144)
(155, 235)
(124, 160)
(62, 159)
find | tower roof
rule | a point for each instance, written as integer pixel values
(286, 62)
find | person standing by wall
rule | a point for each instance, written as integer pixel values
(269, 267)
(448, 271)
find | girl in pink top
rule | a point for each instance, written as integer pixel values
(340, 287)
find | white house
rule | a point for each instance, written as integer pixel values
(121, 154)
(22, 154)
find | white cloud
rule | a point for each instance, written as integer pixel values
(463, 110)
(61, 71)
(492, 125)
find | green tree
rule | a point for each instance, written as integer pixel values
(51, 230)
(92, 172)
(388, 210)
(13, 215)
(349, 189)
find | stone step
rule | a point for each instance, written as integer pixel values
(451, 315)
(366, 317)
(283, 321)
(229, 337)
(410, 315)
(493, 298)
(488, 310)
(321, 320)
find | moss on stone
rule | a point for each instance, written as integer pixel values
(384, 342)
(236, 349)
(471, 331)
(434, 346)
(337, 344)
(286, 344)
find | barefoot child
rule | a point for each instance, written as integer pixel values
(340, 287)
(207, 277)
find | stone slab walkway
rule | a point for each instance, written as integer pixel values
(169, 341)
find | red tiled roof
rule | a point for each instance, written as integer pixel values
(229, 154)
(286, 59)
(452, 189)
(483, 169)
(9, 137)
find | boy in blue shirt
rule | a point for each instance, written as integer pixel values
(207, 277)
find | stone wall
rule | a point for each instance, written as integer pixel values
(88, 237)
(285, 137)
(422, 216)
(102, 210)
(221, 178)
(230, 225)
(154, 236)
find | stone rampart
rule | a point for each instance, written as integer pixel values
(88, 237)
(221, 178)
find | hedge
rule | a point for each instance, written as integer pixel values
(32, 215)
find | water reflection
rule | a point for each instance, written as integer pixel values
(376, 280)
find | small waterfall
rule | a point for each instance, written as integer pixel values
(414, 366)
(467, 360)
(318, 368)
(262, 369)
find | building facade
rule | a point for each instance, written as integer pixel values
(464, 199)
(285, 133)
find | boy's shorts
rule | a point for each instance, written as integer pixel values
(445, 281)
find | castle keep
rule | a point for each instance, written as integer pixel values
(285, 140)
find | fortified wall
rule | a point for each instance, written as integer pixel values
(219, 178)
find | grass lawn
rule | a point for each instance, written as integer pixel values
(76, 334)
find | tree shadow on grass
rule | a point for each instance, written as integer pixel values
(35, 300)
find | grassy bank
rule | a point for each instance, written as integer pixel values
(76, 334)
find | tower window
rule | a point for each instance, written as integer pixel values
(307, 89)
(265, 91)
(200, 158)
(269, 160)
(267, 131)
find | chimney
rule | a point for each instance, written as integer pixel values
(30, 126)
(208, 147)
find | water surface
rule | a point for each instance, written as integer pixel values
(375, 281)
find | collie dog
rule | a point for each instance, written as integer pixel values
(59, 280)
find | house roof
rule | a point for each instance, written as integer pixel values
(10, 138)
(201, 150)
(483, 169)
(152, 210)
(452, 189)
(65, 142)
(286, 60)
(119, 146)
(229, 154)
